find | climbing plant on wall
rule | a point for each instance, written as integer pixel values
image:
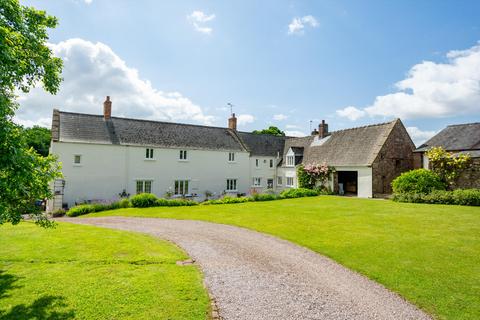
(311, 175)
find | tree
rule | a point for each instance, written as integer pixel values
(270, 130)
(447, 165)
(38, 138)
(25, 60)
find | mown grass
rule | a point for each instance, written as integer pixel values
(430, 254)
(83, 272)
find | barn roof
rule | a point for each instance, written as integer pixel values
(349, 147)
(455, 138)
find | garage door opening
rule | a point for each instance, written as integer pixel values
(348, 183)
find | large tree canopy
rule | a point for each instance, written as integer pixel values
(270, 130)
(38, 138)
(25, 60)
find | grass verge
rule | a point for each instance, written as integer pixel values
(427, 253)
(83, 272)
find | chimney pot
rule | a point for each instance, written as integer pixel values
(232, 122)
(323, 130)
(107, 108)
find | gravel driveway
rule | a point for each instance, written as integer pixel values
(256, 276)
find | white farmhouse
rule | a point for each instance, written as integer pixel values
(104, 157)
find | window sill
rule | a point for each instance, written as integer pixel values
(256, 186)
(183, 160)
(147, 159)
(232, 162)
(231, 191)
(77, 165)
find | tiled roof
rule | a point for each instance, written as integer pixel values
(456, 137)
(262, 144)
(86, 128)
(349, 147)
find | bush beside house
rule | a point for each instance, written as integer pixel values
(146, 200)
(425, 186)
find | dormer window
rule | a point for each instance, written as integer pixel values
(290, 161)
(148, 153)
(183, 155)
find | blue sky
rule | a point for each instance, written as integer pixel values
(279, 62)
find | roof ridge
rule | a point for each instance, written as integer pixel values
(145, 120)
(463, 124)
(368, 125)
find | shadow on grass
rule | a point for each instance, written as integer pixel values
(7, 282)
(44, 308)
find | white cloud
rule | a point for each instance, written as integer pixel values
(245, 119)
(291, 126)
(418, 136)
(294, 133)
(280, 117)
(93, 71)
(199, 19)
(434, 90)
(351, 113)
(88, 1)
(297, 26)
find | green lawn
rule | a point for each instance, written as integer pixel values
(83, 272)
(430, 254)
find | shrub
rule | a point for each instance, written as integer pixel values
(417, 181)
(264, 197)
(124, 203)
(228, 200)
(467, 197)
(144, 200)
(80, 210)
(58, 213)
(299, 192)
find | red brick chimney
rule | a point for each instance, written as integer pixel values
(322, 129)
(232, 122)
(107, 109)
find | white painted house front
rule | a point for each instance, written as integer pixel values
(105, 157)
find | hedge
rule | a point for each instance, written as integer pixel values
(463, 197)
(97, 207)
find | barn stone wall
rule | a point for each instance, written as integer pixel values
(470, 178)
(395, 157)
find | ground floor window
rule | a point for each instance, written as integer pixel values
(279, 181)
(257, 182)
(270, 183)
(181, 187)
(289, 181)
(231, 184)
(144, 186)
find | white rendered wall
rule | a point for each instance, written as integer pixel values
(263, 171)
(364, 183)
(108, 169)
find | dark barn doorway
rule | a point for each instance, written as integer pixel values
(348, 182)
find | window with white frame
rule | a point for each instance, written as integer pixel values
(144, 186)
(289, 181)
(290, 161)
(77, 159)
(257, 182)
(257, 162)
(148, 153)
(271, 163)
(231, 157)
(231, 184)
(181, 187)
(279, 181)
(183, 155)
